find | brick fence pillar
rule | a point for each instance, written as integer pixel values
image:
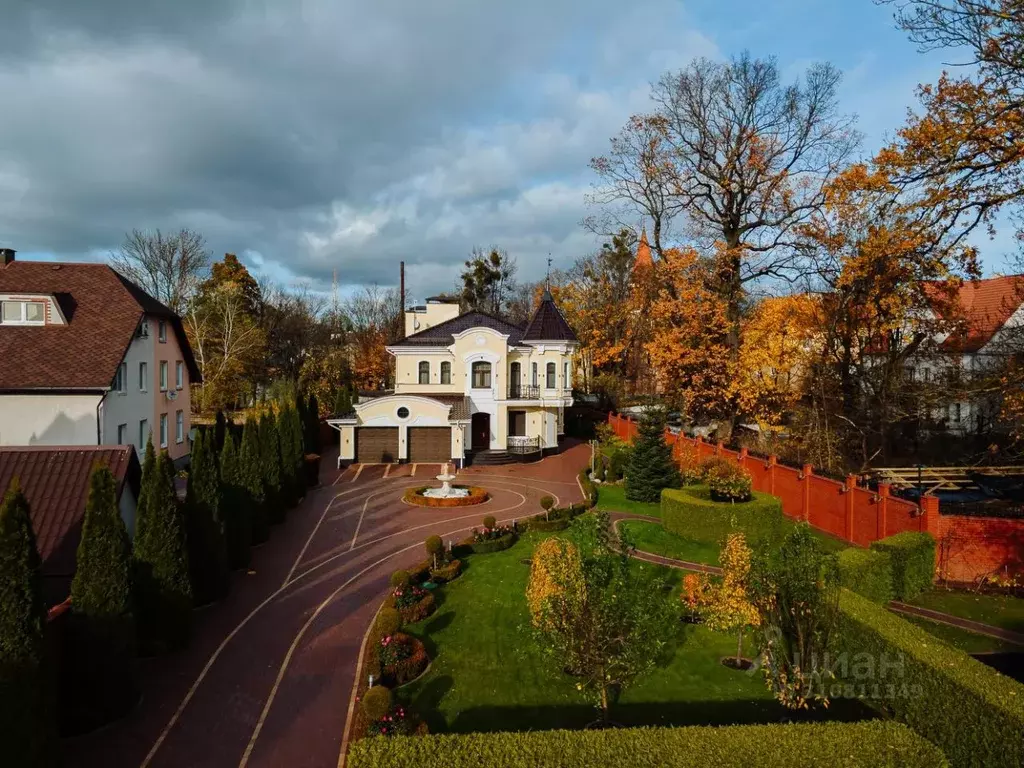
(930, 513)
(808, 473)
(741, 458)
(772, 462)
(851, 484)
(883, 510)
(718, 448)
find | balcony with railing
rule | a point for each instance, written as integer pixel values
(521, 444)
(517, 391)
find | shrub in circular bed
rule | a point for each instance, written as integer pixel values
(727, 480)
(446, 572)
(402, 658)
(399, 579)
(490, 522)
(491, 539)
(413, 603)
(389, 621)
(476, 496)
(376, 702)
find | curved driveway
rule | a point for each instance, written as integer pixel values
(269, 674)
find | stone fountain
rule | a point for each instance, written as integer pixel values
(446, 491)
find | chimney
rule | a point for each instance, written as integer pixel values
(6, 256)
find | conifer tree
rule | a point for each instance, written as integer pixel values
(164, 593)
(250, 469)
(26, 725)
(270, 461)
(219, 430)
(312, 425)
(148, 471)
(235, 506)
(296, 455)
(207, 553)
(98, 667)
(651, 465)
(289, 492)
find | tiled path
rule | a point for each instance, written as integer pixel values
(268, 676)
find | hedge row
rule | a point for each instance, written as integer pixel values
(690, 513)
(913, 562)
(487, 547)
(972, 712)
(844, 745)
(867, 572)
(589, 489)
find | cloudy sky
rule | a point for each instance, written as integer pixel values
(317, 135)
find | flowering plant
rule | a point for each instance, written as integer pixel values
(393, 723)
(392, 651)
(489, 534)
(406, 596)
(727, 480)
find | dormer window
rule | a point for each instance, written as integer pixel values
(23, 313)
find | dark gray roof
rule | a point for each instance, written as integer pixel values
(547, 323)
(443, 334)
(459, 403)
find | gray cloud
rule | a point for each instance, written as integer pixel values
(318, 136)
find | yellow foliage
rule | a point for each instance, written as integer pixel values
(556, 576)
(730, 608)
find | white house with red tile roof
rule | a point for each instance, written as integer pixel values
(89, 358)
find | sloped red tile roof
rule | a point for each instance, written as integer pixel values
(985, 306)
(103, 310)
(55, 480)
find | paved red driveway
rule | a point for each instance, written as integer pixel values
(269, 674)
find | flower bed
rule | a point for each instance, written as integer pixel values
(475, 496)
(413, 603)
(488, 540)
(446, 572)
(403, 658)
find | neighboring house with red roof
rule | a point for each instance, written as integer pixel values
(89, 358)
(55, 480)
(468, 386)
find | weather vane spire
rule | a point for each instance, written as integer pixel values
(547, 278)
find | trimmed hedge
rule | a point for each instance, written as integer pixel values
(487, 547)
(973, 713)
(690, 513)
(447, 572)
(589, 489)
(913, 562)
(842, 745)
(417, 611)
(547, 526)
(868, 572)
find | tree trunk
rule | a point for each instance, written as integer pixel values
(739, 648)
(604, 702)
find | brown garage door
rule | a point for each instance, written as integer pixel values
(430, 444)
(376, 445)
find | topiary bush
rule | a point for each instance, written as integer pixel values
(490, 522)
(727, 480)
(690, 513)
(913, 562)
(376, 702)
(970, 711)
(547, 502)
(388, 621)
(434, 547)
(868, 572)
(399, 579)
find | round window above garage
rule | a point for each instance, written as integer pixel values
(402, 412)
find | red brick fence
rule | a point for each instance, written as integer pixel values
(968, 547)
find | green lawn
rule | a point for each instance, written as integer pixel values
(653, 538)
(968, 642)
(489, 674)
(613, 498)
(997, 610)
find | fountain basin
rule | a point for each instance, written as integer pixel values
(457, 496)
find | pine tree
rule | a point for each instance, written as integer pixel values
(98, 665)
(148, 472)
(651, 465)
(250, 472)
(235, 507)
(270, 463)
(289, 491)
(207, 553)
(312, 425)
(296, 453)
(164, 593)
(219, 430)
(26, 725)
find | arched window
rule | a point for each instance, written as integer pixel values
(446, 373)
(533, 373)
(424, 372)
(550, 383)
(481, 375)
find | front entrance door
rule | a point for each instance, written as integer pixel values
(481, 431)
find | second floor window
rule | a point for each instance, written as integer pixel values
(121, 379)
(533, 375)
(163, 375)
(143, 377)
(23, 313)
(424, 377)
(446, 373)
(122, 434)
(481, 375)
(179, 426)
(179, 374)
(163, 430)
(143, 435)
(550, 382)
(162, 331)
(565, 376)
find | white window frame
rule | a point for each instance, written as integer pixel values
(535, 375)
(162, 331)
(550, 376)
(121, 379)
(23, 319)
(163, 375)
(143, 376)
(179, 374)
(163, 430)
(179, 427)
(490, 374)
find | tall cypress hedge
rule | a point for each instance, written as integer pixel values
(270, 462)
(235, 507)
(651, 465)
(98, 681)
(26, 723)
(250, 465)
(292, 454)
(163, 590)
(207, 553)
(312, 425)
